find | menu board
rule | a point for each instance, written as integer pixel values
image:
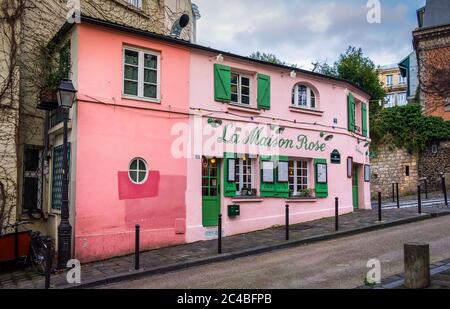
(322, 173)
(267, 169)
(231, 170)
(367, 173)
(283, 171)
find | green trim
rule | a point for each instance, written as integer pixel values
(263, 91)
(351, 112)
(364, 119)
(222, 83)
(321, 188)
(267, 189)
(229, 187)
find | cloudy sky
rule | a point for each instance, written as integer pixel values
(303, 31)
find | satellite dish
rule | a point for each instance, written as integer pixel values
(179, 25)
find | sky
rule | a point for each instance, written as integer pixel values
(304, 31)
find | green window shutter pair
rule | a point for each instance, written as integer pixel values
(275, 188)
(351, 112)
(222, 86)
(263, 91)
(229, 186)
(364, 119)
(281, 188)
(321, 188)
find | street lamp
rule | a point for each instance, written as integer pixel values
(66, 96)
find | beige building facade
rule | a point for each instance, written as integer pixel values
(395, 85)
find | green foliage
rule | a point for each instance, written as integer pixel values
(406, 126)
(55, 64)
(271, 58)
(355, 67)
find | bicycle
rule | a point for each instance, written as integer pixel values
(27, 248)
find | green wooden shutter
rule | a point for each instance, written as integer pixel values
(263, 91)
(281, 188)
(229, 187)
(267, 189)
(321, 188)
(351, 112)
(364, 119)
(222, 83)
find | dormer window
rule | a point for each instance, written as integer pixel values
(136, 3)
(303, 97)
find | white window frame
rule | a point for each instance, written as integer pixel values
(401, 98)
(138, 171)
(135, 3)
(296, 97)
(295, 176)
(239, 86)
(389, 80)
(401, 79)
(240, 172)
(141, 70)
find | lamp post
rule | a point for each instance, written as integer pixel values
(66, 97)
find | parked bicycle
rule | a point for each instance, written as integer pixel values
(25, 248)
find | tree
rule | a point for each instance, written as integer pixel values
(272, 58)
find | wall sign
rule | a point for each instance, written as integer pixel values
(283, 171)
(231, 170)
(322, 176)
(267, 169)
(350, 167)
(367, 173)
(336, 157)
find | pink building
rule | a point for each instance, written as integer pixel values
(167, 135)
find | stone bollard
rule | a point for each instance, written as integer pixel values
(417, 266)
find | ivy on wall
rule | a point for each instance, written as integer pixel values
(407, 127)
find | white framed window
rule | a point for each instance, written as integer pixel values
(240, 88)
(244, 175)
(401, 79)
(401, 98)
(303, 96)
(138, 171)
(390, 100)
(141, 73)
(136, 3)
(298, 176)
(389, 80)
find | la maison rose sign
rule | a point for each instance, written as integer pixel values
(256, 137)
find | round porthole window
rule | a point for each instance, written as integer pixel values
(138, 171)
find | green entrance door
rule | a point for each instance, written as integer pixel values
(355, 188)
(210, 191)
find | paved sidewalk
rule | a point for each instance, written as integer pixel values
(173, 258)
(440, 278)
(434, 199)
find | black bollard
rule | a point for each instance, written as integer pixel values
(336, 214)
(137, 248)
(398, 196)
(444, 189)
(287, 222)
(379, 207)
(219, 235)
(48, 263)
(419, 200)
(426, 188)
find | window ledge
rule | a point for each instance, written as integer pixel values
(132, 8)
(147, 100)
(59, 128)
(250, 199)
(306, 111)
(246, 109)
(301, 200)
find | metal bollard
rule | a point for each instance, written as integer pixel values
(336, 214)
(379, 207)
(444, 188)
(419, 200)
(426, 188)
(398, 196)
(137, 247)
(219, 234)
(48, 264)
(287, 222)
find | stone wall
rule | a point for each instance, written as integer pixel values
(390, 165)
(435, 161)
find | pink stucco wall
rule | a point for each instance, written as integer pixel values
(111, 131)
(264, 213)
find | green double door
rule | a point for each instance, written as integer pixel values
(355, 187)
(210, 191)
